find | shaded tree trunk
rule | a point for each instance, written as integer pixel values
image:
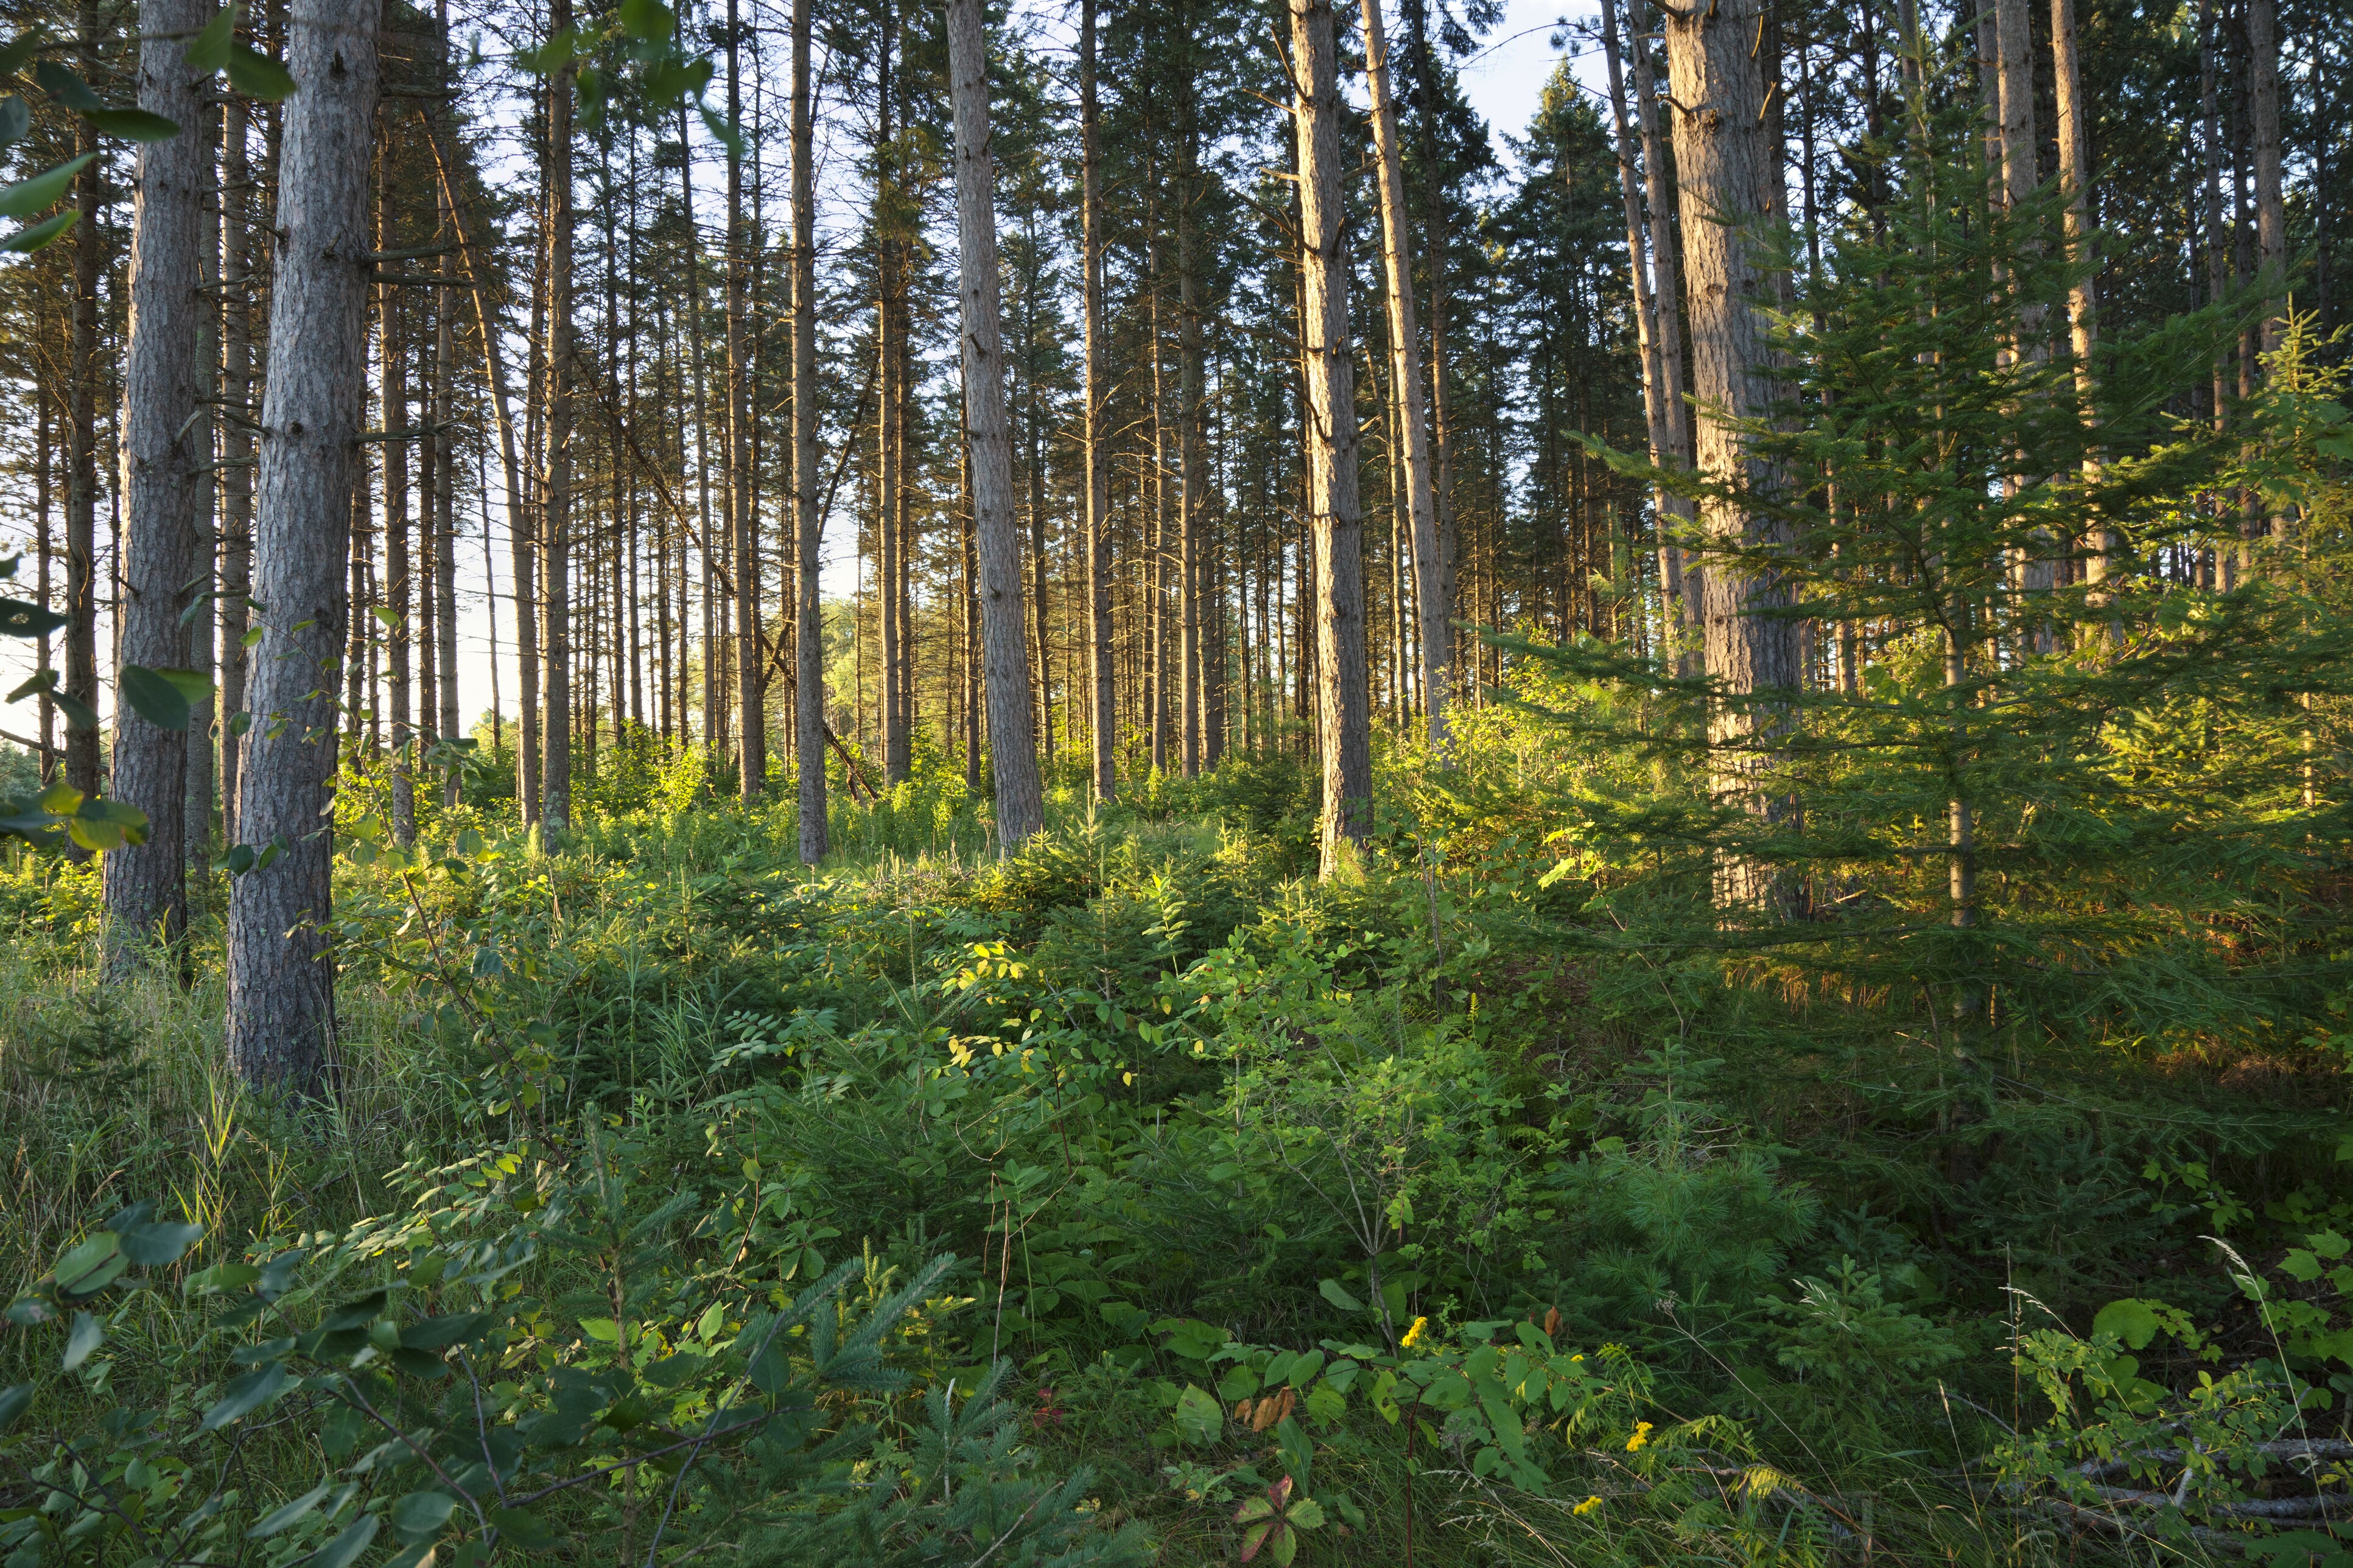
(81, 437)
(809, 623)
(281, 996)
(1013, 756)
(555, 519)
(147, 886)
(743, 518)
(236, 446)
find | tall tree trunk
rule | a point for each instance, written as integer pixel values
(1434, 261)
(1405, 381)
(2075, 180)
(2263, 127)
(146, 887)
(237, 444)
(555, 532)
(1343, 724)
(743, 517)
(1719, 158)
(1661, 382)
(400, 594)
(281, 995)
(196, 835)
(1013, 755)
(81, 434)
(809, 662)
(1098, 396)
(1193, 461)
(443, 446)
(1680, 574)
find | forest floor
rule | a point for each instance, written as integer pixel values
(1499, 1250)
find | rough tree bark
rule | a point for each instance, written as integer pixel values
(1013, 755)
(1405, 377)
(555, 520)
(750, 667)
(147, 886)
(236, 443)
(2075, 179)
(1718, 89)
(2263, 130)
(81, 436)
(281, 990)
(1098, 393)
(1343, 724)
(1682, 574)
(808, 647)
(1660, 380)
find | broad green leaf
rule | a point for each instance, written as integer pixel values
(344, 1549)
(61, 83)
(14, 1400)
(92, 1265)
(83, 1341)
(221, 1277)
(278, 1519)
(155, 697)
(1333, 1291)
(20, 49)
(441, 1332)
(523, 1528)
(132, 124)
(2130, 1320)
(646, 18)
(421, 1513)
(79, 714)
(208, 50)
(1200, 1416)
(258, 75)
(247, 1394)
(154, 1245)
(45, 190)
(21, 618)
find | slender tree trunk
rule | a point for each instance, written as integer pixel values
(237, 444)
(1651, 308)
(147, 886)
(555, 542)
(1342, 721)
(443, 446)
(2263, 127)
(1098, 396)
(1434, 261)
(281, 996)
(2075, 179)
(195, 836)
(808, 687)
(400, 574)
(1013, 756)
(744, 521)
(1404, 380)
(1680, 573)
(81, 434)
(1719, 158)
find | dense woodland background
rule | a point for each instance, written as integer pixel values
(1634, 852)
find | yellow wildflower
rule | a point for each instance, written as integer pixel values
(1641, 1435)
(1413, 1335)
(1587, 1506)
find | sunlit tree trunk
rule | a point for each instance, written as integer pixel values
(1013, 756)
(81, 436)
(1098, 393)
(743, 518)
(1343, 723)
(281, 996)
(1717, 86)
(1404, 380)
(1680, 574)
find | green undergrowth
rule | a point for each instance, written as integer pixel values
(1174, 1204)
